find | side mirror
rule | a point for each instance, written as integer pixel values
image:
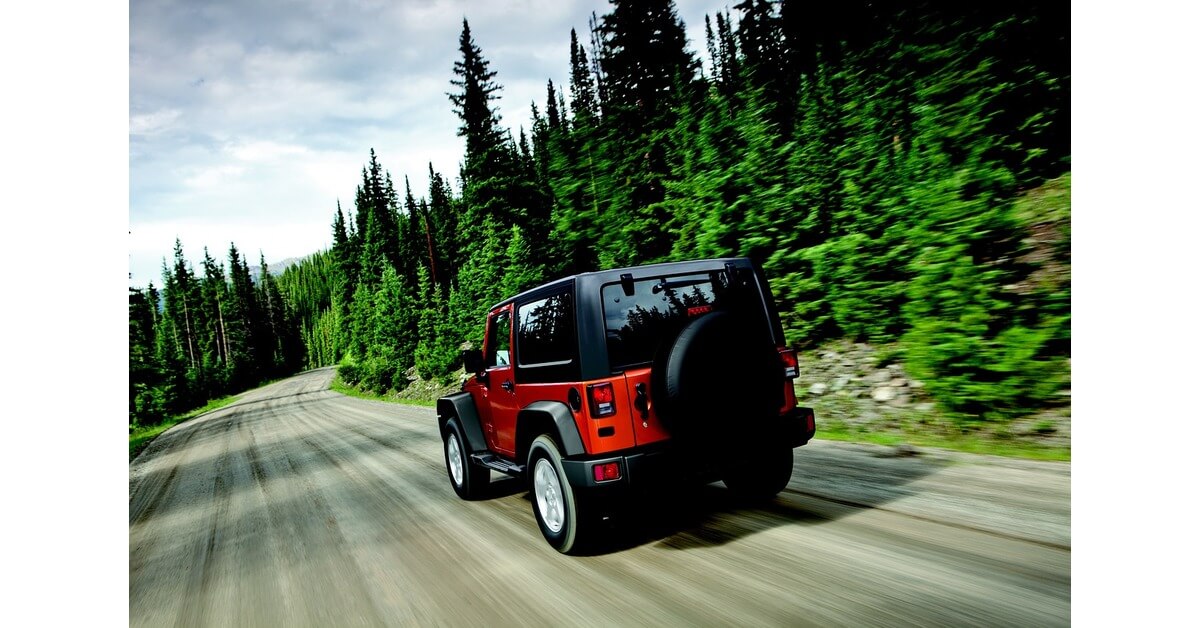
(472, 360)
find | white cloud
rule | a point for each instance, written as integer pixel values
(153, 122)
(264, 151)
(211, 176)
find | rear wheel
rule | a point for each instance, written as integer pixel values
(763, 477)
(556, 506)
(469, 480)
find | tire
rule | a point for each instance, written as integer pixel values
(469, 480)
(763, 477)
(556, 505)
(717, 381)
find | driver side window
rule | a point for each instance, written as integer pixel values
(499, 352)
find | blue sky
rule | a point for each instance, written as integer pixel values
(248, 121)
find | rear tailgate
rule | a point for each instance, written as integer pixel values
(646, 426)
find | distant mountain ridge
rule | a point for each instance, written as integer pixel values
(276, 268)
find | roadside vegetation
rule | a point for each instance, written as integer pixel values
(141, 436)
(338, 385)
(902, 174)
(967, 443)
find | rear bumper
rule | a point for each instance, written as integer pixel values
(657, 466)
(798, 426)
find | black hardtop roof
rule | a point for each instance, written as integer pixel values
(608, 276)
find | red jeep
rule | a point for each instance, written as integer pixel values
(600, 383)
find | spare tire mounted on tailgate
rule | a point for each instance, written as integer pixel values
(719, 379)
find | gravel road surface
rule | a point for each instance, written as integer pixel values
(298, 506)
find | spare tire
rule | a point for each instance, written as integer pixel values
(718, 381)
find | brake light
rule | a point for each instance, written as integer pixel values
(601, 399)
(606, 472)
(791, 366)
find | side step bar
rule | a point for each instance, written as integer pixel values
(490, 461)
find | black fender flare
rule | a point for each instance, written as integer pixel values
(563, 419)
(462, 406)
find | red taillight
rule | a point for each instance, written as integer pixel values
(601, 399)
(606, 472)
(791, 366)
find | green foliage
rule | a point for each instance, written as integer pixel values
(392, 323)
(479, 282)
(141, 435)
(864, 279)
(437, 347)
(974, 359)
(147, 399)
(520, 271)
(361, 314)
(350, 372)
(897, 171)
(206, 336)
(380, 375)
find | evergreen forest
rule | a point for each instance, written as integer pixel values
(872, 156)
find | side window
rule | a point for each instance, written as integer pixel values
(499, 350)
(546, 331)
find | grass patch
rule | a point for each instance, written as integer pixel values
(352, 391)
(141, 437)
(970, 444)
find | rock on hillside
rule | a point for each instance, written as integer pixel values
(858, 387)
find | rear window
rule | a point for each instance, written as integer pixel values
(636, 326)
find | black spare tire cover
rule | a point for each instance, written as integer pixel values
(721, 378)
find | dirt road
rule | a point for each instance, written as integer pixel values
(298, 506)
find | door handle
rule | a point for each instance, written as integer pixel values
(507, 385)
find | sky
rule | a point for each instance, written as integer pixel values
(250, 121)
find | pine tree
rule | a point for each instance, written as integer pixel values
(761, 42)
(479, 282)
(584, 106)
(490, 171)
(287, 349)
(473, 103)
(521, 271)
(443, 218)
(373, 259)
(147, 403)
(182, 323)
(436, 352)
(214, 291)
(647, 71)
(249, 350)
(359, 325)
(390, 342)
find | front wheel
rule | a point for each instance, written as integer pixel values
(763, 477)
(556, 506)
(469, 480)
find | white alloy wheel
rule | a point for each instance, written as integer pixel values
(560, 512)
(455, 457)
(548, 492)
